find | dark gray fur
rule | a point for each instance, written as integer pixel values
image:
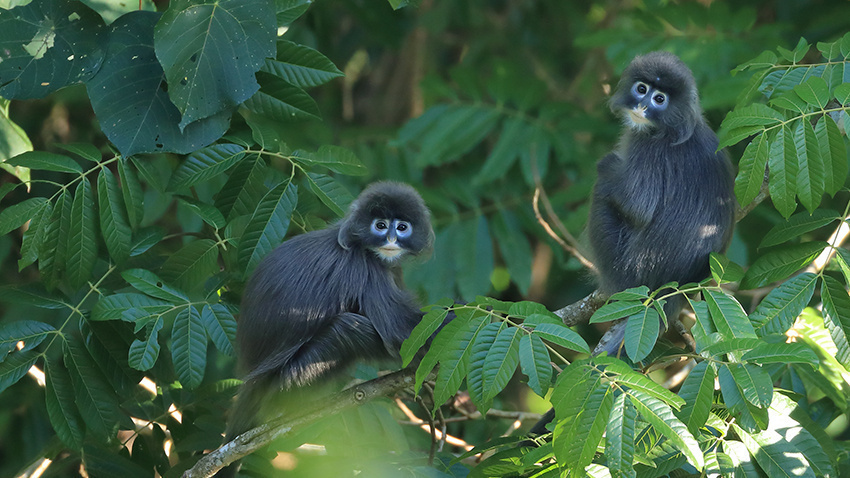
(324, 300)
(664, 200)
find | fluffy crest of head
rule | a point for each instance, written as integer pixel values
(667, 73)
(388, 200)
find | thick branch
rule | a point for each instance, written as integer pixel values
(580, 312)
(261, 436)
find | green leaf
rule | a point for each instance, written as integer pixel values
(17, 215)
(221, 327)
(783, 165)
(617, 310)
(143, 353)
(534, 360)
(30, 332)
(289, 10)
(148, 282)
(562, 335)
(810, 175)
(330, 192)
(501, 361)
(781, 263)
(728, 346)
(795, 426)
(777, 312)
(736, 135)
(791, 101)
(814, 92)
(774, 455)
(751, 170)
(50, 44)
(445, 340)
(797, 225)
(581, 426)
(191, 266)
(33, 238)
(724, 270)
(280, 101)
(423, 331)
(210, 50)
(189, 347)
(620, 445)
(205, 164)
(766, 59)
(96, 402)
(755, 383)
(61, 407)
(452, 133)
(842, 93)
(794, 352)
(335, 158)
(836, 316)
(52, 253)
(698, 393)
(743, 462)
(82, 238)
(131, 189)
(300, 65)
(641, 333)
(475, 381)
(514, 247)
(268, 225)
(661, 417)
(474, 257)
(15, 366)
(207, 212)
(728, 315)
(454, 360)
(44, 161)
(752, 115)
(114, 226)
(86, 151)
(834, 153)
(138, 116)
(638, 381)
(512, 140)
(112, 307)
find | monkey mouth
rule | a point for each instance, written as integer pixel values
(637, 116)
(390, 251)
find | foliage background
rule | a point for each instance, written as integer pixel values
(459, 98)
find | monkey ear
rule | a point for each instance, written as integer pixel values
(344, 235)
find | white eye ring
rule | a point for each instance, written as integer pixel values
(403, 228)
(641, 88)
(380, 226)
(659, 98)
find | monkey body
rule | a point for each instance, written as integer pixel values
(664, 200)
(360, 311)
(659, 209)
(323, 300)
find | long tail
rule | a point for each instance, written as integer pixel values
(242, 418)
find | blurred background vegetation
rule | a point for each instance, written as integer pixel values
(450, 96)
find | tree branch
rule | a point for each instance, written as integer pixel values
(261, 436)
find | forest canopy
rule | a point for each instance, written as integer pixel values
(153, 152)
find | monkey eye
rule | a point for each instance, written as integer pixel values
(641, 88)
(659, 99)
(403, 228)
(380, 226)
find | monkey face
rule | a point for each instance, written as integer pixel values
(647, 105)
(388, 238)
(657, 95)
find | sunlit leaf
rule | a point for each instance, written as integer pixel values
(797, 225)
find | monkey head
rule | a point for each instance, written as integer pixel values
(657, 95)
(389, 219)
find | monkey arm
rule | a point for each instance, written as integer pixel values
(628, 199)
